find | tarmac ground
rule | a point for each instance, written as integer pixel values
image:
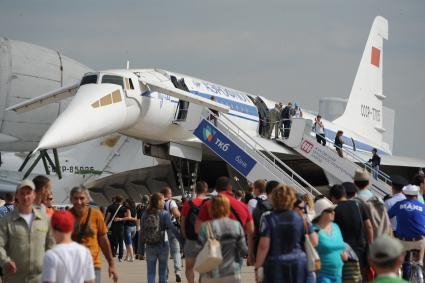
(132, 272)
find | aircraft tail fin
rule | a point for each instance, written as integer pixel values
(364, 111)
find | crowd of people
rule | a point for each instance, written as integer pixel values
(279, 120)
(349, 235)
(289, 237)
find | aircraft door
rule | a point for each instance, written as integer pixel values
(264, 116)
(183, 106)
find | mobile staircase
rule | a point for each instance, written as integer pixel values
(303, 141)
(240, 150)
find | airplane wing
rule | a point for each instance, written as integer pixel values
(45, 99)
(184, 95)
(402, 161)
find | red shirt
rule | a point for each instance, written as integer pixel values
(186, 206)
(240, 208)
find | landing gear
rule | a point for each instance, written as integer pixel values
(44, 156)
(187, 174)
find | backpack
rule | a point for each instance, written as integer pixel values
(378, 216)
(247, 198)
(153, 232)
(261, 208)
(192, 215)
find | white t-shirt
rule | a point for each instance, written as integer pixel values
(169, 205)
(68, 263)
(28, 218)
(390, 203)
(318, 128)
(252, 203)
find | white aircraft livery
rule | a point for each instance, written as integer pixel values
(156, 105)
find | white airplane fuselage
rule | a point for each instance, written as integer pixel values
(150, 105)
(150, 115)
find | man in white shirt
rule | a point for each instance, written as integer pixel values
(319, 129)
(397, 184)
(362, 181)
(259, 194)
(68, 261)
(24, 238)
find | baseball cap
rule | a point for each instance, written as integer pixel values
(321, 205)
(384, 249)
(411, 190)
(62, 221)
(399, 180)
(361, 175)
(26, 183)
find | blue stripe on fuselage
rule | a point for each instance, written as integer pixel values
(234, 105)
(252, 110)
(349, 143)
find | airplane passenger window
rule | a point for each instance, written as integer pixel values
(110, 79)
(89, 79)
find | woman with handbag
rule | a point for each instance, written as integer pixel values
(331, 244)
(230, 235)
(280, 254)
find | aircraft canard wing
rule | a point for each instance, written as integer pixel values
(45, 99)
(184, 95)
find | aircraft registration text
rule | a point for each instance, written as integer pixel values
(370, 112)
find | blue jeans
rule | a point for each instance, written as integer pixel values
(311, 277)
(129, 232)
(375, 172)
(158, 253)
(97, 273)
(325, 278)
(175, 253)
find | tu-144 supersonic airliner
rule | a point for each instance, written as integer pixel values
(150, 104)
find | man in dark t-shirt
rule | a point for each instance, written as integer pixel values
(354, 221)
(114, 213)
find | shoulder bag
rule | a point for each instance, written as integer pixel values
(210, 256)
(313, 258)
(113, 217)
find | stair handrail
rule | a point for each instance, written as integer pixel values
(311, 190)
(381, 175)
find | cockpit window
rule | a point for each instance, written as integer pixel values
(110, 79)
(89, 79)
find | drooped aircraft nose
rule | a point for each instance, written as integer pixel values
(96, 110)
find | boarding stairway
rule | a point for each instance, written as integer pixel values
(303, 141)
(241, 151)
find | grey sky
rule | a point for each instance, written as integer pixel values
(297, 50)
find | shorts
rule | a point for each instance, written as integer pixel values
(129, 232)
(191, 248)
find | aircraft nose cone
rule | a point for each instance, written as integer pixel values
(96, 110)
